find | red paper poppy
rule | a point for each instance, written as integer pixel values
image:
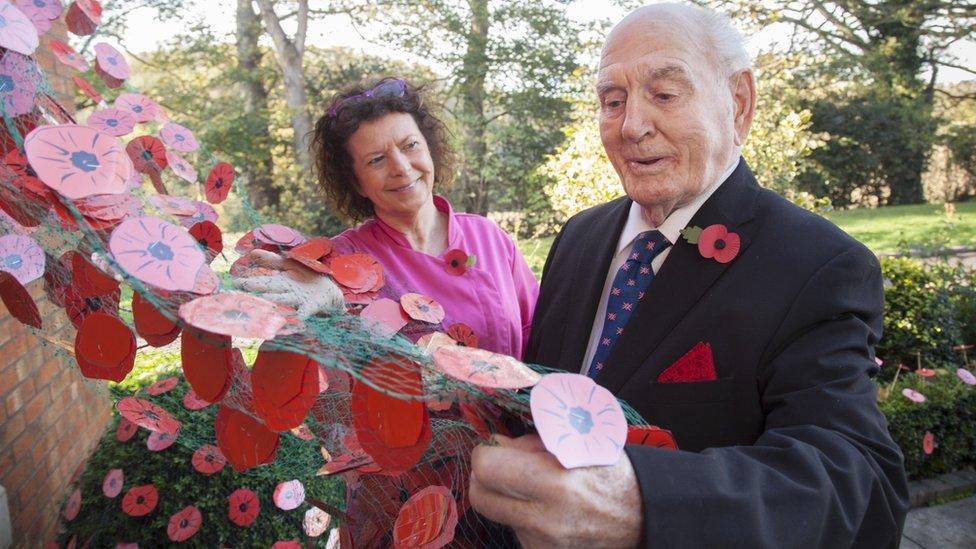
(290, 544)
(716, 242)
(110, 81)
(139, 501)
(67, 55)
(87, 89)
(649, 435)
(925, 372)
(422, 308)
(87, 279)
(313, 253)
(151, 324)
(73, 506)
(192, 402)
(234, 314)
(125, 430)
(474, 415)
(18, 301)
(390, 418)
(289, 495)
(147, 153)
(484, 368)
(79, 308)
(208, 459)
(243, 507)
(427, 519)
(928, 443)
(163, 386)
(184, 523)
(157, 442)
(455, 262)
(358, 272)
(146, 414)
(112, 485)
(463, 334)
(105, 348)
(209, 237)
(206, 360)
(83, 17)
(285, 386)
(244, 441)
(219, 182)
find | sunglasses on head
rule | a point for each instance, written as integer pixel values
(387, 88)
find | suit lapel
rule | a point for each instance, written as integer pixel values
(682, 280)
(589, 276)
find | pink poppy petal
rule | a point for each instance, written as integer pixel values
(178, 137)
(22, 257)
(77, 161)
(111, 61)
(19, 78)
(115, 122)
(18, 32)
(966, 376)
(913, 395)
(157, 253)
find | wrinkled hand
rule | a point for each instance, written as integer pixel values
(295, 285)
(520, 484)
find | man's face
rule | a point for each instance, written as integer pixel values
(666, 115)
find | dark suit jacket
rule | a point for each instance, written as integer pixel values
(787, 447)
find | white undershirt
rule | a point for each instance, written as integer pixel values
(636, 224)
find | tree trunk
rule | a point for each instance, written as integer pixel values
(472, 84)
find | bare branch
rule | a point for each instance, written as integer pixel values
(302, 26)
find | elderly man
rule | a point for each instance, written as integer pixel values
(751, 341)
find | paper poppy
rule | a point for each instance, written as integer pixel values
(73, 506)
(925, 372)
(463, 334)
(384, 317)
(77, 161)
(234, 314)
(83, 17)
(484, 368)
(455, 262)
(151, 324)
(208, 460)
(112, 484)
(580, 422)
(289, 495)
(106, 207)
(157, 253)
(19, 78)
(649, 435)
(358, 272)
(17, 33)
(125, 430)
(192, 402)
(289, 544)
(148, 155)
(302, 432)
(142, 108)
(206, 360)
(716, 242)
(243, 507)
(78, 307)
(184, 523)
(278, 235)
(18, 301)
(313, 253)
(219, 181)
(163, 386)
(22, 257)
(928, 443)
(913, 395)
(427, 519)
(178, 137)
(157, 442)
(146, 414)
(244, 441)
(87, 280)
(105, 348)
(966, 376)
(208, 236)
(201, 212)
(111, 61)
(181, 167)
(422, 308)
(139, 501)
(173, 205)
(115, 122)
(86, 88)
(315, 522)
(42, 23)
(285, 386)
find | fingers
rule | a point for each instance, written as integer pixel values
(520, 474)
(527, 443)
(264, 258)
(266, 284)
(498, 507)
(289, 299)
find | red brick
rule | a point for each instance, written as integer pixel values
(9, 378)
(24, 444)
(10, 430)
(15, 399)
(36, 406)
(13, 349)
(16, 477)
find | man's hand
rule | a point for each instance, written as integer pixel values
(520, 484)
(295, 285)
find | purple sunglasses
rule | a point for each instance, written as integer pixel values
(387, 88)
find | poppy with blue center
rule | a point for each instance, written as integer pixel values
(13, 261)
(84, 161)
(581, 420)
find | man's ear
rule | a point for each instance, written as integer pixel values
(743, 85)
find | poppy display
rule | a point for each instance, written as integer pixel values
(206, 361)
(112, 484)
(67, 55)
(208, 459)
(422, 308)
(913, 395)
(244, 441)
(315, 522)
(22, 257)
(18, 301)
(384, 317)
(115, 122)
(144, 110)
(148, 155)
(86, 88)
(77, 161)
(139, 501)
(219, 182)
(83, 17)
(652, 436)
(966, 376)
(285, 386)
(151, 323)
(20, 77)
(243, 507)
(105, 348)
(87, 280)
(278, 235)
(147, 415)
(184, 523)
(192, 402)
(111, 62)
(181, 167)
(928, 443)
(428, 519)
(359, 273)
(157, 442)
(78, 308)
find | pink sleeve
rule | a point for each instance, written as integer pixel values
(526, 289)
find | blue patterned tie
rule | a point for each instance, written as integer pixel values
(628, 288)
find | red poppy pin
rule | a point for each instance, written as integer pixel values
(457, 262)
(714, 242)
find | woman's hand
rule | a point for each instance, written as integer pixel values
(294, 285)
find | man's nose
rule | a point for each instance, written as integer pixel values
(639, 121)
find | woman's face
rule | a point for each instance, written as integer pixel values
(392, 164)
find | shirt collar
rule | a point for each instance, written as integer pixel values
(400, 239)
(677, 220)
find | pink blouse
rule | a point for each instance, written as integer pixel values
(495, 297)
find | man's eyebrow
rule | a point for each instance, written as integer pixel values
(604, 85)
(674, 72)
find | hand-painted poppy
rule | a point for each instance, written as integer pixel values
(315, 522)
(77, 161)
(146, 414)
(151, 324)
(105, 348)
(17, 33)
(234, 314)
(86, 88)
(716, 242)
(36, 14)
(192, 402)
(79, 308)
(67, 55)
(144, 110)
(244, 441)
(21, 78)
(73, 506)
(243, 507)
(181, 167)
(157, 442)
(87, 279)
(384, 317)
(125, 430)
(208, 459)
(206, 360)
(105, 210)
(314, 254)
(112, 484)
(278, 235)
(178, 137)
(966, 376)
(18, 301)
(358, 272)
(913, 395)
(208, 236)
(925, 372)
(484, 368)
(22, 257)
(455, 262)
(422, 308)
(184, 523)
(463, 334)
(173, 205)
(139, 501)
(157, 253)
(428, 519)
(285, 387)
(928, 443)
(111, 61)
(649, 435)
(83, 17)
(219, 182)
(163, 386)
(115, 122)
(289, 495)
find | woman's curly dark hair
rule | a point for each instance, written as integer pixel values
(333, 165)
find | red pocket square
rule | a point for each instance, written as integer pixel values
(695, 365)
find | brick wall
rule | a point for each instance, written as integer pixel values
(51, 418)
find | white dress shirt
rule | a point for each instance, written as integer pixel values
(635, 225)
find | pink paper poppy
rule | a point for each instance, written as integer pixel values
(87, 89)
(157, 253)
(484, 368)
(115, 122)
(83, 17)
(966, 376)
(280, 235)
(243, 507)
(234, 314)
(716, 242)
(19, 77)
(316, 522)
(208, 459)
(125, 430)
(17, 33)
(146, 414)
(50, 9)
(178, 137)
(928, 443)
(77, 161)
(925, 372)
(184, 523)
(157, 442)
(73, 506)
(111, 61)
(173, 205)
(580, 422)
(422, 308)
(22, 257)
(38, 11)
(913, 395)
(181, 167)
(163, 386)
(141, 107)
(385, 317)
(67, 55)
(289, 495)
(193, 402)
(202, 212)
(112, 485)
